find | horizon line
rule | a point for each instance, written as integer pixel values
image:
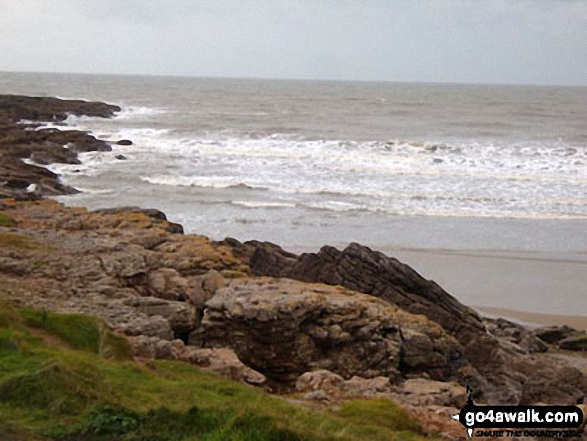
(262, 78)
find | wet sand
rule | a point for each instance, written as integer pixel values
(531, 287)
(530, 318)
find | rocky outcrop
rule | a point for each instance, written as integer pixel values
(498, 362)
(43, 146)
(370, 272)
(122, 265)
(126, 266)
(284, 328)
(574, 343)
(16, 108)
(563, 337)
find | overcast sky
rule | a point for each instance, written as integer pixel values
(473, 41)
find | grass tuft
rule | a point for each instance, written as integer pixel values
(381, 412)
(59, 388)
(6, 221)
(79, 331)
(9, 318)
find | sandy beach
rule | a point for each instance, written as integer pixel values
(530, 318)
(531, 287)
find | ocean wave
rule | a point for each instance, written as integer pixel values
(394, 177)
(131, 112)
(263, 204)
(217, 182)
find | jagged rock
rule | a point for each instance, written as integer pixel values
(554, 334)
(574, 343)
(507, 377)
(98, 263)
(501, 371)
(516, 334)
(43, 146)
(324, 385)
(426, 348)
(125, 264)
(370, 272)
(121, 157)
(18, 107)
(204, 288)
(54, 153)
(149, 212)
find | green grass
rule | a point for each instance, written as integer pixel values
(64, 377)
(6, 221)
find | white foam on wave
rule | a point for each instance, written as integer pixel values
(217, 182)
(263, 204)
(132, 112)
(468, 178)
(93, 191)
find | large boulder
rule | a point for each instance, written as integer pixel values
(370, 272)
(284, 328)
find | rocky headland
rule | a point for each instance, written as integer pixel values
(317, 328)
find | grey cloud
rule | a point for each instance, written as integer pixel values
(497, 41)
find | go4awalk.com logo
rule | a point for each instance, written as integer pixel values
(521, 421)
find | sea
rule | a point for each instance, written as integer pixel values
(481, 187)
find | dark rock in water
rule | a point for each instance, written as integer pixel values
(150, 212)
(124, 142)
(121, 157)
(54, 153)
(554, 334)
(44, 146)
(574, 343)
(16, 108)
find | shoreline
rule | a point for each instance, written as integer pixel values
(534, 320)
